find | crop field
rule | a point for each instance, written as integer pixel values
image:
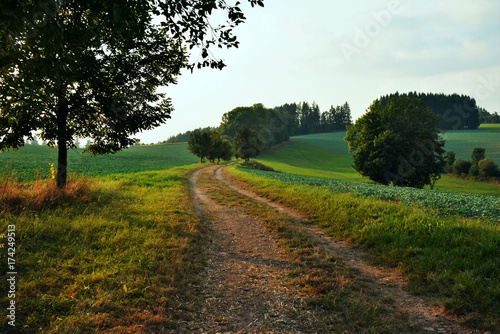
(443, 203)
(300, 158)
(491, 127)
(464, 142)
(33, 161)
(461, 142)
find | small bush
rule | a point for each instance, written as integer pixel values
(488, 168)
(257, 165)
(461, 167)
(17, 197)
(474, 170)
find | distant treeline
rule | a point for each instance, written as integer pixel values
(459, 112)
(486, 117)
(184, 137)
(308, 119)
(276, 125)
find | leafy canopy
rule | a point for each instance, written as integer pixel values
(92, 68)
(247, 143)
(398, 144)
(209, 144)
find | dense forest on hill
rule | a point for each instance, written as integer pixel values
(276, 125)
(459, 112)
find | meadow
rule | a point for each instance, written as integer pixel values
(33, 161)
(461, 142)
(326, 155)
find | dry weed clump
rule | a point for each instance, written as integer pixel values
(17, 197)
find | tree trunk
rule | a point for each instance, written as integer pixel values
(62, 146)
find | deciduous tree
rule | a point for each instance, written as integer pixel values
(91, 68)
(398, 144)
(247, 143)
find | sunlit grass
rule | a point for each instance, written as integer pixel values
(310, 160)
(492, 127)
(109, 263)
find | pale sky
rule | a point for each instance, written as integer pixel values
(332, 52)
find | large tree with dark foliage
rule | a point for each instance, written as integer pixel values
(91, 68)
(247, 143)
(457, 112)
(209, 144)
(398, 144)
(271, 125)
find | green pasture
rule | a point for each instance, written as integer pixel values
(333, 141)
(324, 155)
(462, 142)
(296, 157)
(33, 159)
(491, 127)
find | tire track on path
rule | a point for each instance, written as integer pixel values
(387, 282)
(241, 290)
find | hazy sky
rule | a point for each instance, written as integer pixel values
(331, 51)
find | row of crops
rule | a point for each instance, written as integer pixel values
(443, 203)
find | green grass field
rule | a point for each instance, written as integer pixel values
(326, 155)
(464, 142)
(491, 127)
(114, 259)
(32, 158)
(461, 142)
(297, 157)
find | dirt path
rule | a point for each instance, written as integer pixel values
(242, 290)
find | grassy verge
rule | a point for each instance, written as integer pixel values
(454, 260)
(109, 263)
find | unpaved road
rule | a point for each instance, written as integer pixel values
(243, 290)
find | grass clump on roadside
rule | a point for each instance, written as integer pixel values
(452, 259)
(110, 263)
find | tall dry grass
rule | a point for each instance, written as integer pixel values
(17, 197)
